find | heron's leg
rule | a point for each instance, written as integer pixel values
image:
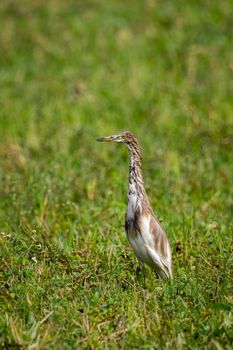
(143, 271)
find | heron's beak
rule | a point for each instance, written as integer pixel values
(111, 138)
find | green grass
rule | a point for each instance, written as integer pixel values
(76, 70)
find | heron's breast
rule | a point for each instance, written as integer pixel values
(132, 206)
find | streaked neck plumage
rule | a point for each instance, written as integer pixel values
(136, 191)
(135, 170)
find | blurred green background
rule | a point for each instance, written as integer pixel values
(76, 70)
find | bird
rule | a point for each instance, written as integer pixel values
(143, 230)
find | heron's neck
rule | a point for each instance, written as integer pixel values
(136, 185)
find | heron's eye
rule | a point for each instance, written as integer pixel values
(128, 135)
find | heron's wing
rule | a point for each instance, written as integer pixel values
(157, 244)
(161, 265)
(161, 243)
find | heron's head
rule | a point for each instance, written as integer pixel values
(125, 137)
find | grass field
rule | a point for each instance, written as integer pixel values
(71, 71)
